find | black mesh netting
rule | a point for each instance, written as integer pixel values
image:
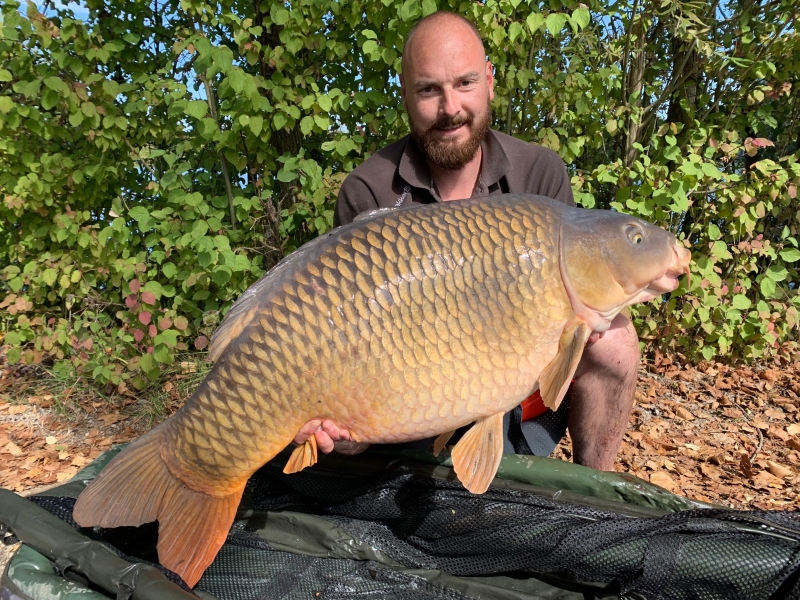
(428, 524)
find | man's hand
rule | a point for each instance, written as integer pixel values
(596, 335)
(330, 437)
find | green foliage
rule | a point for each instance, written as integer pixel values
(155, 159)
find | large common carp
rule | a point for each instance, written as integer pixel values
(403, 325)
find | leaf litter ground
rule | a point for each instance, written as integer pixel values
(726, 435)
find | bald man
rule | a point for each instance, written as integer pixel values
(447, 87)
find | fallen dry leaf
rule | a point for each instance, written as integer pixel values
(12, 449)
(661, 478)
(779, 470)
(767, 479)
(50, 440)
(111, 419)
(793, 429)
(745, 466)
(80, 461)
(709, 471)
(684, 413)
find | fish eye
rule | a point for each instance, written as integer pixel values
(635, 234)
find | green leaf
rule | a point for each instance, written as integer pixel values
(720, 250)
(535, 21)
(236, 79)
(163, 354)
(89, 109)
(196, 109)
(671, 153)
(409, 10)
(286, 176)
(740, 302)
(581, 17)
(222, 58)
(49, 99)
(279, 120)
(256, 124)
(325, 103)
(280, 16)
(777, 273)
(714, 232)
(428, 7)
(555, 23)
(307, 125)
(5, 76)
(6, 104)
(147, 363)
(49, 276)
(767, 287)
(169, 270)
(514, 30)
(221, 275)
(790, 255)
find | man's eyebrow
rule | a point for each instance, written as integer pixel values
(423, 83)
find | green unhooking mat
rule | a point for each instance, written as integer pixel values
(401, 527)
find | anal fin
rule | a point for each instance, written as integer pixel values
(477, 454)
(556, 377)
(303, 456)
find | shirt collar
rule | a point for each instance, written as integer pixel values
(494, 165)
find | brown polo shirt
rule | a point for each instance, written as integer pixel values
(398, 176)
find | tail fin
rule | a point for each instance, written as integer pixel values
(136, 487)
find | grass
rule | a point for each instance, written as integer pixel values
(69, 397)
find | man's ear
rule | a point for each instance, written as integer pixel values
(490, 79)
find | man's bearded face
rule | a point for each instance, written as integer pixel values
(445, 151)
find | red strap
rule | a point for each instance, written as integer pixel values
(533, 406)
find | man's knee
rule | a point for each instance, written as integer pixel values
(616, 353)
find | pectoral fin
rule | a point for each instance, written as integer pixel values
(440, 442)
(556, 377)
(303, 456)
(477, 454)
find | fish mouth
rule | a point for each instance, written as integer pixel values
(668, 282)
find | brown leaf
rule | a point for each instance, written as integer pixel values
(793, 443)
(111, 419)
(793, 429)
(683, 413)
(778, 434)
(745, 466)
(17, 410)
(80, 461)
(662, 478)
(12, 449)
(765, 479)
(769, 374)
(779, 470)
(709, 471)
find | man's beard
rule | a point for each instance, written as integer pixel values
(451, 155)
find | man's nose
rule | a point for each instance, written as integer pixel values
(450, 105)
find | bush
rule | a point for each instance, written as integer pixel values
(155, 159)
